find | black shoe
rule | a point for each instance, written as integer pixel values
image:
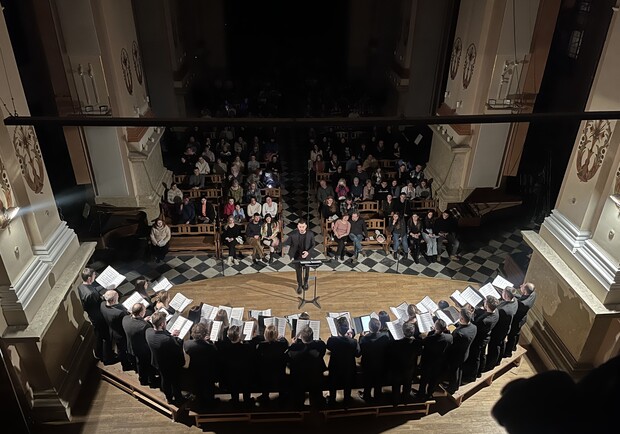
(305, 286)
(395, 256)
(270, 258)
(299, 289)
(254, 260)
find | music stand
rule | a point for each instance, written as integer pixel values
(312, 263)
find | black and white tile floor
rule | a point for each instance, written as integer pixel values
(482, 251)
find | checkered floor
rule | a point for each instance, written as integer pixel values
(483, 251)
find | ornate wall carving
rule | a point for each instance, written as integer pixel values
(592, 148)
(617, 187)
(137, 61)
(29, 156)
(468, 65)
(6, 194)
(126, 66)
(455, 57)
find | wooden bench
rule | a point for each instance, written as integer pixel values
(199, 237)
(387, 164)
(368, 208)
(179, 179)
(209, 193)
(246, 248)
(371, 224)
(273, 192)
(327, 177)
(423, 205)
(214, 180)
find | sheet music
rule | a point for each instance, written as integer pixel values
(133, 299)
(331, 324)
(228, 310)
(458, 298)
(237, 313)
(489, 289)
(421, 308)
(206, 310)
(441, 315)
(425, 322)
(216, 326)
(255, 313)
(280, 323)
(502, 283)
(396, 329)
(347, 315)
(166, 313)
(400, 312)
(248, 330)
(179, 302)
(110, 278)
(183, 325)
(290, 318)
(163, 285)
(236, 322)
(471, 296)
(429, 304)
(365, 322)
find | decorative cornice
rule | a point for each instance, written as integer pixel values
(594, 259)
(565, 231)
(55, 245)
(31, 280)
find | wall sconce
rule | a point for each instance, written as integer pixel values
(615, 198)
(6, 215)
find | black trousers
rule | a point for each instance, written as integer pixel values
(372, 379)
(494, 353)
(513, 338)
(476, 361)
(302, 273)
(146, 373)
(103, 343)
(455, 375)
(231, 248)
(341, 242)
(171, 383)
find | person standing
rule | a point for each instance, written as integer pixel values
(166, 356)
(484, 320)
(344, 349)
(113, 312)
(525, 303)
(135, 327)
(497, 343)
(301, 242)
(91, 300)
(462, 337)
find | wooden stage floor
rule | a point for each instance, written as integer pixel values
(358, 293)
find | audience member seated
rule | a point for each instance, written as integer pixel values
(206, 212)
(196, 180)
(348, 206)
(398, 229)
(361, 174)
(373, 347)
(229, 208)
(433, 361)
(340, 231)
(253, 236)
(330, 209)
(135, 327)
(187, 212)
(368, 192)
(239, 214)
(415, 236)
(253, 191)
(113, 313)
(429, 235)
(160, 240)
(357, 234)
(357, 189)
(394, 188)
(271, 353)
(269, 235)
(342, 190)
(235, 191)
(175, 195)
(231, 234)
(166, 356)
(270, 207)
(423, 191)
(253, 164)
(306, 364)
(445, 227)
(417, 174)
(342, 368)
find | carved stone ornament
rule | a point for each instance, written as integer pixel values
(455, 57)
(468, 65)
(6, 194)
(592, 148)
(617, 187)
(28, 154)
(126, 66)
(137, 61)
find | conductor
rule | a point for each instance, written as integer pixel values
(301, 243)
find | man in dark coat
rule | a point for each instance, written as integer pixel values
(506, 310)
(237, 359)
(113, 312)
(91, 303)
(524, 303)
(271, 354)
(166, 356)
(484, 320)
(402, 358)
(373, 346)
(342, 368)
(135, 327)
(433, 362)
(462, 337)
(203, 363)
(305, 358)
(301, 242)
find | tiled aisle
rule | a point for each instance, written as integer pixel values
(482, 252)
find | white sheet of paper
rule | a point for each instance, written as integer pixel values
(255, 313)
(441, 315)
(458, 298)
(248, 330)
(502, 283)
(110, 278)
(215, 330)
(489, 289)
(471, 296)
(183, 325)
(396, 329)
(206, 310)
(429, 304)
(133, 299)
(237, 313)
(421, 308)
(179, 302)
(425, 322)
(365, 323)
(163, 285)
(331, 324)
(166, 313)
